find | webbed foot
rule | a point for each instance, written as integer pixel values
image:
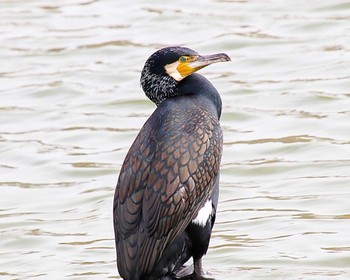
(194, 276)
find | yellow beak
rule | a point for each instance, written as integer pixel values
(198, 62)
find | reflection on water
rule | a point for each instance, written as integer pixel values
(71, 105)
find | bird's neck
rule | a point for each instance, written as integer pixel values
(198, 85)
(158, 88)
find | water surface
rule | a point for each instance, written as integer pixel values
(71, 106)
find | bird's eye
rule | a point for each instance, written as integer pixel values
(183, 59)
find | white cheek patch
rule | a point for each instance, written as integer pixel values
(203, 215)
(171, 70)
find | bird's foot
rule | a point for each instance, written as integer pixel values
(194, 276)
(194, 272)
(188, 273)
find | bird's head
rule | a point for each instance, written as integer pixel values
(169, 66)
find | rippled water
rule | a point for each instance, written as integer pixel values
(71, 105)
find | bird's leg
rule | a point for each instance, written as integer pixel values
(198, 268)
(198, 273)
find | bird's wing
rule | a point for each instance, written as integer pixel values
(166, 178)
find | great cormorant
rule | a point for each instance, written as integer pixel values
(167, 192)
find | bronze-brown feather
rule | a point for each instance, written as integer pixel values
(166, 178)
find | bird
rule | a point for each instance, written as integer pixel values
(167, 192)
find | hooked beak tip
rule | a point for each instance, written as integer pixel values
(213, 58)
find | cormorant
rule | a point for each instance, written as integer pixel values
(167, 192)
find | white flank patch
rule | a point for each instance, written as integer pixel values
(203, 215)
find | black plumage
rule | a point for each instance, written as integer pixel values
(171, 171)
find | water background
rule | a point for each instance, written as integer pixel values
(71, 105)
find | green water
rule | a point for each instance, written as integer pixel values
(71, 106)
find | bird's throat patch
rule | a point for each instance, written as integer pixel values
(185, 69)
(181, 69)
(172, 70)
